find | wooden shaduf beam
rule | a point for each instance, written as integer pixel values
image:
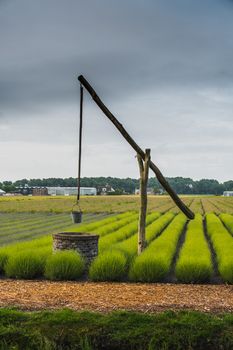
(135, 146)
(144, 171)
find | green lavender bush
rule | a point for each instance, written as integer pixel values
(109, 266)
(194, 264)
(64, 265)
(25, 265)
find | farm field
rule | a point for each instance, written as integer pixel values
(178, 250)
(113, 204)
(26, 226)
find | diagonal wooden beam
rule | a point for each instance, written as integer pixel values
(137, 149)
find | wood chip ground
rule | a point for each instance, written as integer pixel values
(105, 297)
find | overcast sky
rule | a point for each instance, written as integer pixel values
(163, 67)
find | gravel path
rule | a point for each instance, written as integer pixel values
(104, 297)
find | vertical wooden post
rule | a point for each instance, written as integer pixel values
(144, 171)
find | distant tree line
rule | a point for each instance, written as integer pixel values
(180, 184)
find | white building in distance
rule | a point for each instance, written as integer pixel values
(228, 193)
(71, 191)
(2, 192)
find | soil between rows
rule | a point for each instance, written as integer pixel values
(106, 297)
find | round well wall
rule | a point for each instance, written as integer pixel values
(84, 243)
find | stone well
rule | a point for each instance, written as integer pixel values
(85, 243)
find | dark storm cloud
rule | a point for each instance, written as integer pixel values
(56, 82)
(122, 47)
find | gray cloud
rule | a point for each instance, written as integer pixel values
(165, 67)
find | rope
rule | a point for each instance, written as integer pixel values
(80, 141)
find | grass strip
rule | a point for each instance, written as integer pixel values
(67, 329)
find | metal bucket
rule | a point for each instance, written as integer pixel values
(76, 217)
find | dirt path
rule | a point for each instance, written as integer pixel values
(36, 295)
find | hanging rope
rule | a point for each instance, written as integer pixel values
(80, 142)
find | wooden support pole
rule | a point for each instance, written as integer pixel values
(144, 171)
(135, 146)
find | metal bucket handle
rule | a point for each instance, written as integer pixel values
(76, 205)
